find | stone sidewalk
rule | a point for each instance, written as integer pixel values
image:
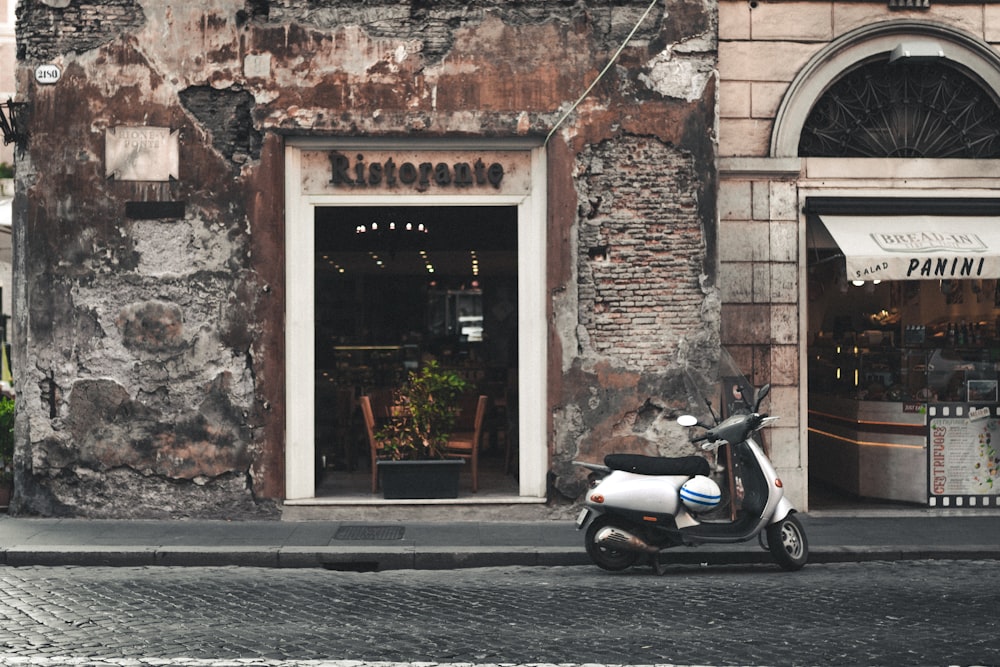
(371, 546)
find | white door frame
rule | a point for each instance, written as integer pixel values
(300, 363)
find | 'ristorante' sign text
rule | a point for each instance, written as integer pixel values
(360, 172)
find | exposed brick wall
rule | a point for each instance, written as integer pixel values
(641, 251)
(227, 116)
(47, 29)
(645, 303)
(438, 23)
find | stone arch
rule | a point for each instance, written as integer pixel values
(974, 56)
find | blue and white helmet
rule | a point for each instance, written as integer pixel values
(700, 494)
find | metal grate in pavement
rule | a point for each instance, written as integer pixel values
(370, 533)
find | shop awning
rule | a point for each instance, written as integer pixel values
(917, 247)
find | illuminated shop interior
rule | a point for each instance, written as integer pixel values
(397, 287)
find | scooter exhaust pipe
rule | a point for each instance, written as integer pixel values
(616, 538)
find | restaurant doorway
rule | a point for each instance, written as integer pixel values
(395, 288)
(323, 217)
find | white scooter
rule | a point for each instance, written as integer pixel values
(639, 505)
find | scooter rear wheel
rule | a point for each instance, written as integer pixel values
(787, 542)
(604, 557)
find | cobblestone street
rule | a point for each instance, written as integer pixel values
(930, 612)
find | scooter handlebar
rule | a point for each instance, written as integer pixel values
(710, 439)
(733, 429)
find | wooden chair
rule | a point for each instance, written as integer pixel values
(368, 415)
(464, 444)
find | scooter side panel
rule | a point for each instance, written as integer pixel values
(776, 494)
(783, 509)
(639, 493)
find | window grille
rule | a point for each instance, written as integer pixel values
(920, 109)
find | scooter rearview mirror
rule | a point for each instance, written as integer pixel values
(761, 394)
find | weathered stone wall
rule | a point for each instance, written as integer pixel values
(764, 47)
(138, 349)
(148, 315)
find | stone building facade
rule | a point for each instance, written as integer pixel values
(166, 254)
(778, 61)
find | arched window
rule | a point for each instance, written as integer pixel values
(903, 109)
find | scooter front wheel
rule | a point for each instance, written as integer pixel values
(787, 542)
(605, 557)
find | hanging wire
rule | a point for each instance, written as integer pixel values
(602, 73)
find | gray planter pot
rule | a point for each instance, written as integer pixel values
(420, 479)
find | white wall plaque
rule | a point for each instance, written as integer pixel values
(257, 66)
(47, 74)
(141, 153)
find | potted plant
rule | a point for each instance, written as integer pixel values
(413, 460)
(6, 449)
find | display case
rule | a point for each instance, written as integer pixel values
(869, 407)
(916, 373)
(860, 446)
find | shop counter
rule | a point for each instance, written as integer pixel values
(871, 449)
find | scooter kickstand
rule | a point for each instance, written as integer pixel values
(654, 560)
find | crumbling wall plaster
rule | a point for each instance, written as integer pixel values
(149, 348)
(137, 386)
(645, 308)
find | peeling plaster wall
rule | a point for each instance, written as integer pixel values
(644, 303)
(149, 349)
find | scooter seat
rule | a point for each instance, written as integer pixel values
(658, 465)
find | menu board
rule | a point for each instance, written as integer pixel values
(963, 455)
